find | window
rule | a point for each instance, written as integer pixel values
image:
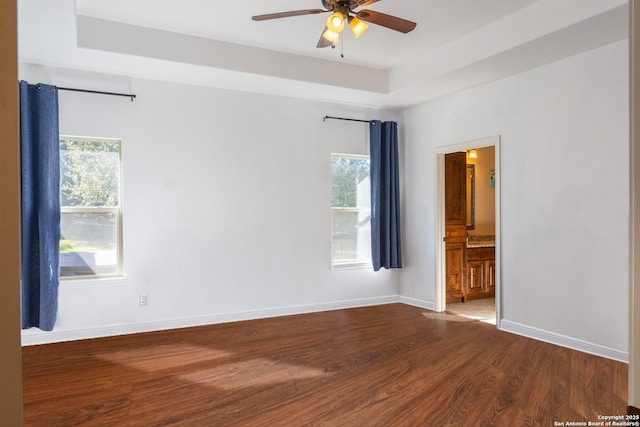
(90, 215)
(350, 211)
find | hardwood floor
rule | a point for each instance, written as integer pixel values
(390, 365)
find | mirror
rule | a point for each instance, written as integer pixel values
(471, 197)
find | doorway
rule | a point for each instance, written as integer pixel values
(473, 272)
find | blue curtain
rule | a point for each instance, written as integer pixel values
(40, 177)
(385, 195)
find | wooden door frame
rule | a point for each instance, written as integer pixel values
(441, 268)
(11, 353)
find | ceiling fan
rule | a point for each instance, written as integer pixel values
(345, 10)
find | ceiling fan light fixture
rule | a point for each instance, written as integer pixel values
(332, 36)
(357, 26)
(335, 22)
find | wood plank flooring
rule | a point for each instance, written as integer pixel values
(389, 365)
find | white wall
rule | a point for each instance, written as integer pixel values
(565, 191)
(226, 200)
(226, 206)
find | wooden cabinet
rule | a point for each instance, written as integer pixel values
(456, 260)
(476, 274)
(455, 193)
(481, 273)
(455, 225)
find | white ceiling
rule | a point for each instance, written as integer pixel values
(457, 44)
(438, 21)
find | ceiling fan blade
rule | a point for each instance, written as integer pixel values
(287, 14)
(392, 22)
(324, 42)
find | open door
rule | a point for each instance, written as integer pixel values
(453, 282)
(455, 170)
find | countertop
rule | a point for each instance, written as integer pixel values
(484, 241)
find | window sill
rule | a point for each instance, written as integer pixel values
(92, 281)
(351, 266)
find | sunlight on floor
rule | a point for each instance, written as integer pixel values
(247, 373)
(483, 310)
(449, 317)
(161, 357)
(224, 374)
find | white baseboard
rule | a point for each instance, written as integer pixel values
(564, 341)
(35, 337)
(427, 305)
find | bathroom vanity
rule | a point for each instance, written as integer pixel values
(480, 268)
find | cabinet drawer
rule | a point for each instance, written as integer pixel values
(455, 234)
(480, 253)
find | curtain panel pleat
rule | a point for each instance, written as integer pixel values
(385, 195)
(40, 204)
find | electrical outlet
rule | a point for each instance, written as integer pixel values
(144, 300)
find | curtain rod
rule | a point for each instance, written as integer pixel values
(343, 118)
(128, 95)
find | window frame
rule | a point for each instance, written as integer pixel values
(117, 210)
(354, 263)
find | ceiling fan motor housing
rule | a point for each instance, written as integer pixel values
(342, 6)
(328, 4)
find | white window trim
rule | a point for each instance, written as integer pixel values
(351, 264)
(119, 274)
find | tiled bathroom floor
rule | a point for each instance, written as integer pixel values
(479, 309)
